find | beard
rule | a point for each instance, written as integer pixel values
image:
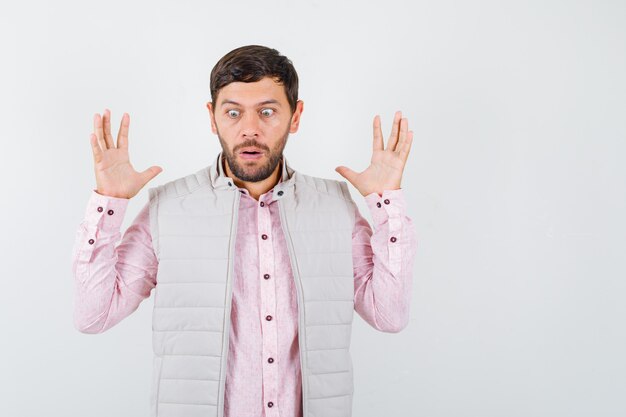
(249, 171)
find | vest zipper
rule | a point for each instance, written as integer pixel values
(229, 299)
(300, 299)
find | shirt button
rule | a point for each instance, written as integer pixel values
(393, 238)
(100, 209)
(110, 212)
(264, 236)
(91, 241)
(270, 360)
(266, 276)
(230, 184)
(270, 404)
(268, 318)
(262, 204)
(280, 192)
(386, 201)
(378, 205)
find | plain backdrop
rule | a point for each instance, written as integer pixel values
(515, 181)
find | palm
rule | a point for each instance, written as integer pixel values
(387, 165)
(115, 172)
(115, 175)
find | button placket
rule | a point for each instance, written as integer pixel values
(90, 236)
(268, 306)
(100, 210)
(394, 223)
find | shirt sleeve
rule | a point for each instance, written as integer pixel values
(111, 281)
(383, 262)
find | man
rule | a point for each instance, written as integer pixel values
(257, 267)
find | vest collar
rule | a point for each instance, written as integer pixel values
(220, 181)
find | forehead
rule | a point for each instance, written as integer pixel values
(249, 94)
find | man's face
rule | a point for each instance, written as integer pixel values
(252, 122)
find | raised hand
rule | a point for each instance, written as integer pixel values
(387, 165)
(115, 176)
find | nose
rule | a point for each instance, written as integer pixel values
(250, 125)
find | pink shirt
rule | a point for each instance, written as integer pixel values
(263, 358)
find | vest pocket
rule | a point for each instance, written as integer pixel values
(157, 364)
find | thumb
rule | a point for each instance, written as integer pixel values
(151, 172)
(347, 173)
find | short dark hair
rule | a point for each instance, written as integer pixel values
(251, 63)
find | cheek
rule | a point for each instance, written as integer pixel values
(227, 128)
(279, 123)
(275, 123)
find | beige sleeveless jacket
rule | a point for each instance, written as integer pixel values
(193, 223)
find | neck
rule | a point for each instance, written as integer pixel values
(256, 189)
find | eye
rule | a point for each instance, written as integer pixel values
(267, 112)
(233, 113)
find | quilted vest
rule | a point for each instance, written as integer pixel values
(193, 222)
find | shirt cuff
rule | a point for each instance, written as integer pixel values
(391, 206)
(105, 212)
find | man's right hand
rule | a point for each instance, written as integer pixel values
(115, 176)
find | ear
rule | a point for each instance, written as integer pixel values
(209, 106)
(295, 117)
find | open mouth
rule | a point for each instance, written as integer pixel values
(251, 154)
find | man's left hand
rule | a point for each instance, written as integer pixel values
(387, 165)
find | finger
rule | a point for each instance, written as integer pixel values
(95, 147)
(97, 130)
(404, 128)
(106, 121)
(406, 146)
(393, 137)
(150, 173)
(122, 135)
(347, 173)
(378, 134)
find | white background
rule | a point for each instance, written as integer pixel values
(515, 182)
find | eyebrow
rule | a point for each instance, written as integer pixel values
(270, 101)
